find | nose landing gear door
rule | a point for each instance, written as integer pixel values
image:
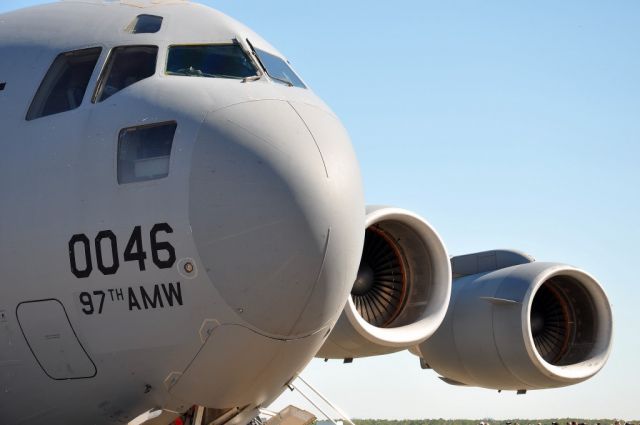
(52, 340)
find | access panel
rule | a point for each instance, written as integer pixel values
(52, 340)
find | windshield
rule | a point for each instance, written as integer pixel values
(278, 69)
(210, 60)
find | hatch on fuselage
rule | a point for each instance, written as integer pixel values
(52, 340)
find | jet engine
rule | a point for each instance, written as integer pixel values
(401, 292)
(515, 324)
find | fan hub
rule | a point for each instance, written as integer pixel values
(364, 280)
(537, 324)
(380, 289)
(550, 322)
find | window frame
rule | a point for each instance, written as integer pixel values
(106, 69)
(130, 29)
(234, 42)
(100, 52)
(278, 80)
(119, 140)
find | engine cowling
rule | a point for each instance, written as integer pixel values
(402, 290)
(526, 326)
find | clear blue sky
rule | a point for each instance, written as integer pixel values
(505, 124)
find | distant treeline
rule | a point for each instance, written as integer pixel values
(560, 421)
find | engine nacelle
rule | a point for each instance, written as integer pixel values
(525, 326)
(402, 290)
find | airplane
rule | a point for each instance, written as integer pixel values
(183, 224)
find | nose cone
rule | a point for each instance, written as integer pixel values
(277, 213)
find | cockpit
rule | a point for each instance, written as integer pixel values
(64, 86)
(98, 73)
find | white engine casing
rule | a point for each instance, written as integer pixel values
(487, 338)
(426, 286)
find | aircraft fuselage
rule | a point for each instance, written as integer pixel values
(185, 240)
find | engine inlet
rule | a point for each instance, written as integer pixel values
(379, 290)
(563, 321)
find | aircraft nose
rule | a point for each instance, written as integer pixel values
(277, 213)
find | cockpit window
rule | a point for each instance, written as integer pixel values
(278, 69)
(210, 60)
(126, 65)
(145, 24)
(63, 88)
